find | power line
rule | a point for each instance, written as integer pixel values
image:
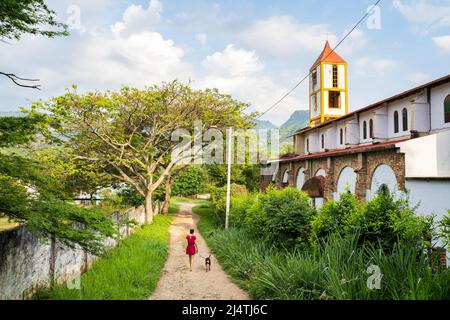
(307, 76)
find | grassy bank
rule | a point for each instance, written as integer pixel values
(337, 269)
(128, 272)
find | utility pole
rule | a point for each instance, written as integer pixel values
(230, 145)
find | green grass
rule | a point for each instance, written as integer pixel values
(128, 272)
(335, 270)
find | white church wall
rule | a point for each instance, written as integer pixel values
(381, 123)
(365, 117)
(427, 157)
(352, 132)
(431, 195)
(328, 75)
(398, 106)
(437, 97)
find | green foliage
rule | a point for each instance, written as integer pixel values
(128, 272)
(218, 198)
(387, 221)
(128, 133)
(29, 195)
(288, 216)
(19, 17)
(445, 228)
(243, 174)
(190, 181)
(131, 197)
(334, 269)
(334, 217)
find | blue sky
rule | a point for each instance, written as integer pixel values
(254, 50)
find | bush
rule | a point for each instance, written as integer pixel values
(334, 216)
(218, 198)
(289, 214)
(387, 221)
(189, 182)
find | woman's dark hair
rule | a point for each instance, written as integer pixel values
(191, 231)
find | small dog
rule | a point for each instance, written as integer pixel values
(208, 263)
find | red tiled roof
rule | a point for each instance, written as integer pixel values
(328, 55)
(401, 95)
(383, 145)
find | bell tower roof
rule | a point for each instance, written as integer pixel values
(328, 55)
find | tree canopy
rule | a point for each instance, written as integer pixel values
(18, 17)
(129, 133)
(29, 195)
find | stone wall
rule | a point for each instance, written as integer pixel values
(28, 263)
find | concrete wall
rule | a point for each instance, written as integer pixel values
(28, 263)
(427, 157)
(433, 196)
(437, 98)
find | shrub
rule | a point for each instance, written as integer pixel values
(289, 214)
(190, 181)
(334, 216)
(387, 221)
(218, 198)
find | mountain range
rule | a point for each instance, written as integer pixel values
(297, 120)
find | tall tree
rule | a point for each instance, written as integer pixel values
(29, 195)
(18, 17)
(129, 132)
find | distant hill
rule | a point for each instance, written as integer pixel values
(297, 120)
(264, 124)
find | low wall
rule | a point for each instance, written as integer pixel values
(28, 263)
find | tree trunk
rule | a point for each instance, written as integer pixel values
(148, 208)
(169, 182)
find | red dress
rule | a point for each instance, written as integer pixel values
(190, 249)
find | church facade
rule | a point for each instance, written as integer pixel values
(402, 142)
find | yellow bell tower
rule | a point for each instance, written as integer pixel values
(328, 91)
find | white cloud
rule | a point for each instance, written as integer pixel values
(424, 16)
(283, 36)
(373, 67)
(136, 18)
(239, 72)
(443, 43)
(232, 62)
(201, 38)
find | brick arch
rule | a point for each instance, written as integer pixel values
(297, 172)
(339, 173)
(390, 158)
(320, 169)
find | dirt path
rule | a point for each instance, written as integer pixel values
(177, 282)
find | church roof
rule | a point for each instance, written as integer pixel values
(328, 55)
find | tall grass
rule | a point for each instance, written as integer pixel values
(334, 269)
(128, 272)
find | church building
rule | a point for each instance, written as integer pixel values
(402, 142)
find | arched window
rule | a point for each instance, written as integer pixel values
(307, 145)
(300, 178)
(341, 136)
(286, 177)
(396, 122)
(323, 141)
(371, 129)
(365, 130)
(405, 119)
(447, 109)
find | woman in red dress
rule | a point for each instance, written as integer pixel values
(191, 248)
